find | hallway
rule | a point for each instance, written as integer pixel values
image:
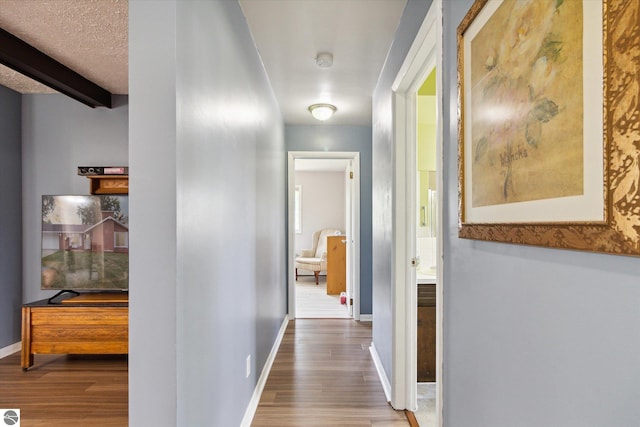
(323, 375)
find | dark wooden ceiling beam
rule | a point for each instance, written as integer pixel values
(26, 59)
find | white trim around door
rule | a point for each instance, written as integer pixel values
(355, 212)
(424, 54)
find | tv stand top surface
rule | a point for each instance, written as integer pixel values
(98, 297)
(87, 299)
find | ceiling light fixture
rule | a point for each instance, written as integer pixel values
(322, 112)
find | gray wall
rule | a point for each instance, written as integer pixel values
(384, 180)
(152, 214)
(533, 337)
(207, 214)
(58, 135)
(344, 138)
(10, 217)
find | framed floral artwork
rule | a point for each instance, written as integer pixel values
(549, 141)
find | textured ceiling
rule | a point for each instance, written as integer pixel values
(88, 36)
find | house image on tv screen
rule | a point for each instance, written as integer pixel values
(85, 242)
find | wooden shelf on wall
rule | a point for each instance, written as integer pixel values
(109, 184)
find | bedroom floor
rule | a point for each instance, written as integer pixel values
(312, 300)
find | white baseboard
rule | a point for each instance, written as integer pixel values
(386, 385)
(10, 349)
(366, 317)
(257, 392)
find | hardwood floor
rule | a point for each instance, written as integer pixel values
(63, 391)
(324, 376)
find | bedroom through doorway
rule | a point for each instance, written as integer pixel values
(322, 239)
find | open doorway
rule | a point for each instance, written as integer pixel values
(423, 59)
(320, 224)
(323, 239)
(426, 249)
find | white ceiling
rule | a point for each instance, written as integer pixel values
(91, 37)
(290, 33)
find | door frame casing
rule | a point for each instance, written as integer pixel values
(350, 225)
(355, 212)
(425, 54)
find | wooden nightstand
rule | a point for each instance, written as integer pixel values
(336, 265)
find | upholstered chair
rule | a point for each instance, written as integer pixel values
(315, 259)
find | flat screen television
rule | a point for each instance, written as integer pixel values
(85, 243)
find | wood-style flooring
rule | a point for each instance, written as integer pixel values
(323, 375)
(64, 391)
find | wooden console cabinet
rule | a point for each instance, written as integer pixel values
(336, 265)
(75, 327)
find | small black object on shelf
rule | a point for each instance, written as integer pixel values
(62, 292)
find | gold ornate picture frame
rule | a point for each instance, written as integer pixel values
(549, 134)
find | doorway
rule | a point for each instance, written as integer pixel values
(424, 56)
(320, 225)
(307, 173)
(426, 249)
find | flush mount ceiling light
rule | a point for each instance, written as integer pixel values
(322, 112)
